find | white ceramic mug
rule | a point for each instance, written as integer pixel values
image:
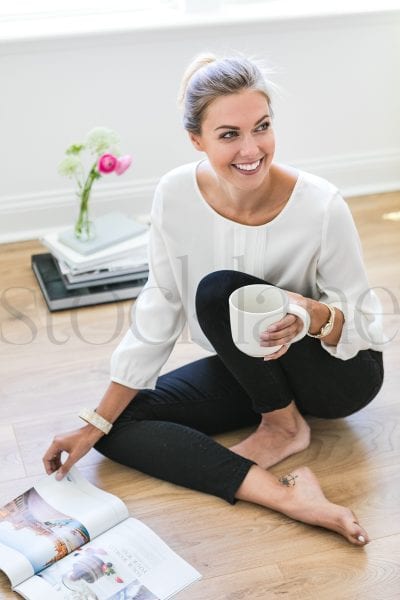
(253, 308)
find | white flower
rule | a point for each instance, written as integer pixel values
(116, 150)
(70, 166)
(99, 139)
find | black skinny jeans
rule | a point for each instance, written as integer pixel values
(166, 432)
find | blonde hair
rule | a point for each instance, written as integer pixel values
(208, 77)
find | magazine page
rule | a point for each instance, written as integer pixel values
(127, 562)
(51, 520)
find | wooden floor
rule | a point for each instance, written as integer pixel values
(53, 364)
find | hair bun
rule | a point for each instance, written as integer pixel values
(200, 61)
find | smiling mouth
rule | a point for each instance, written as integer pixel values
(248, 168)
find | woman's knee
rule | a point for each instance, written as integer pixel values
(345, 395)
(346, 407)
(215, 288)
(212, 297)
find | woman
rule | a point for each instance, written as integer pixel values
(232, 219)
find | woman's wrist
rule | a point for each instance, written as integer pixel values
(319, 315)
(94, 418)
(99, 422)
(92, 433)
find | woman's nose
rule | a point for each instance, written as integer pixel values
(249, 147)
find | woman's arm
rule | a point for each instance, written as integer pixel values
(342, 282)
(78, 442)
(157, 320)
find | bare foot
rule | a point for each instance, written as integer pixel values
(306, 502)
(280, 434)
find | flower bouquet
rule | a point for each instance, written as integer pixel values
(103, 144)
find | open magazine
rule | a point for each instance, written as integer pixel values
(68, 540)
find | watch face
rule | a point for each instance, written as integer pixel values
(326, 329)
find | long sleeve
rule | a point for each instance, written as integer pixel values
(342, 282)
(157, 318)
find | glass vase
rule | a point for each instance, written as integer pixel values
(84, 228)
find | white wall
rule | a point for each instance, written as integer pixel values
(338, 115)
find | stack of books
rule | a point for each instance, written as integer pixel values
(110, 267)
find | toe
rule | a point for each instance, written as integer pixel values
(351, 528)
(357, 534)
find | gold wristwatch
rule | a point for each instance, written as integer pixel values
(327, 328)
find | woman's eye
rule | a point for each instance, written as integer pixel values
(264, 126)
(228, 135)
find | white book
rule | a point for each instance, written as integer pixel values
(133, 248)
(125, 264)
(110, 229)
(112, 269)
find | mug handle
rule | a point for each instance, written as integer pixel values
(299, 311)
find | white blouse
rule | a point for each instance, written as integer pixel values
(311, 247)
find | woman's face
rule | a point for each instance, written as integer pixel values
(238, 139)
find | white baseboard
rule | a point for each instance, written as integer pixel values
(358, 175)
(30, 216)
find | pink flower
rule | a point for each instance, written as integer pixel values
(123, 163)
(107, 163)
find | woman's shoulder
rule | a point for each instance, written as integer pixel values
(322, 197)
(303, 181)
(174, 185)
(318, 185)
(310, 194)
(181, 177)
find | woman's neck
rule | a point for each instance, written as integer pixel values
(244, 202)
(249, 208)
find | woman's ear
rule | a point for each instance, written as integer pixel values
(195, 138)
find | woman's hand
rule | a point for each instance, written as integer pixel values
(76, 443)
(284, 331)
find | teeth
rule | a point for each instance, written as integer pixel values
(249, 167)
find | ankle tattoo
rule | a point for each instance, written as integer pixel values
(288, 479)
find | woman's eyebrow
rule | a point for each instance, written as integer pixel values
(237, 128)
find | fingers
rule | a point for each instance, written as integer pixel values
(277, 354)
(52, 463)
(281, 332)
(64, 469)
(52, 458)
(75, 443)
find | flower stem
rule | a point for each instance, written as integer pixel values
(82, 225)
